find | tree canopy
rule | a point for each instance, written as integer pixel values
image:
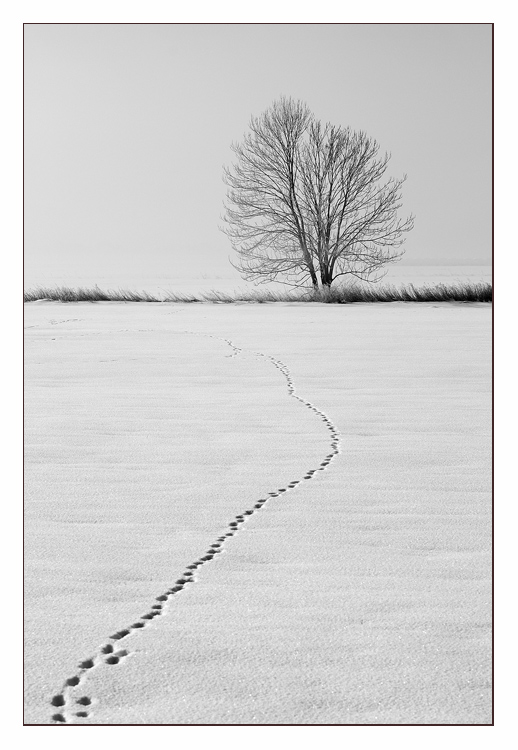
(309, 202)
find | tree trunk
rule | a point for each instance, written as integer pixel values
(326, 277)
(314, 279)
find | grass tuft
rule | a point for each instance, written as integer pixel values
(82, 294)
(340, 295)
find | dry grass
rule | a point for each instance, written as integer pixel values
(82, 294)
(458, 292)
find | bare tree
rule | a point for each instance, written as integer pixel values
(306, 201)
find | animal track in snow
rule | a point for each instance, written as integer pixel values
(53, 322)
(116, 657)
(107, 654)
(87, 664)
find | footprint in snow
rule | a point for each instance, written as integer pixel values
(116, 657)
(113, 657)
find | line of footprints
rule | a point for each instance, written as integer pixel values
(71, 707)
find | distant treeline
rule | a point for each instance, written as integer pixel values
(458, 292)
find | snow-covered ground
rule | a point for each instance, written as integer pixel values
(360, 595)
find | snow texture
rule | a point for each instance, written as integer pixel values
(258, 514)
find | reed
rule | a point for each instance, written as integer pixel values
(341, 295)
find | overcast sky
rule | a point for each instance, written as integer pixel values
(127, 129)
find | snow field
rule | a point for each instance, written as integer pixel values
(359, 595)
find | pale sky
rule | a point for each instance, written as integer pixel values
(127, 129)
